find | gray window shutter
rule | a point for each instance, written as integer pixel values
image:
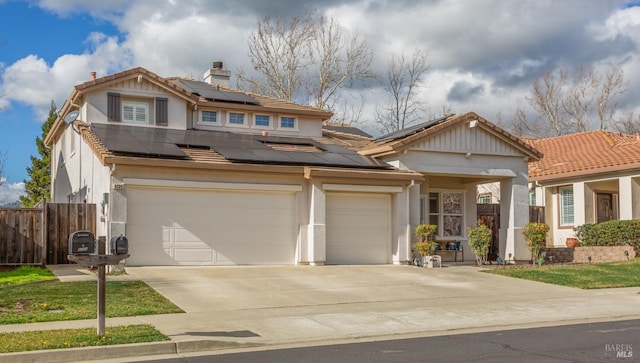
(162, 111)
(113, 107)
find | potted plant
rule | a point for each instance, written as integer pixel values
(536, 236)
(426, 245)
(479, 242)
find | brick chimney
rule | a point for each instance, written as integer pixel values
(93, 76)
(217, 75)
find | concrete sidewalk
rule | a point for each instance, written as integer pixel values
(238, 307)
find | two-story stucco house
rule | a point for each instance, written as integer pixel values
(197, 173)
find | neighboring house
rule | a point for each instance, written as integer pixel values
(589, 177)
(196, 173)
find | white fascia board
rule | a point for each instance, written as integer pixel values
(362, 188)
(462, 170)
(186, 184)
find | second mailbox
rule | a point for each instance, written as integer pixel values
(119, 245)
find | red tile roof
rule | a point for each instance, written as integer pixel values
(582, 154)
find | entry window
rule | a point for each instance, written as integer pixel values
(565, 195)
(446, 210)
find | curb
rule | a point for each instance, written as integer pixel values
(119, 351)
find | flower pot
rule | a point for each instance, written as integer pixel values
(572, 242)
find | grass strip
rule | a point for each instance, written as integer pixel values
(587, 276)
(56, 301)
(75, 338)
(25, 274)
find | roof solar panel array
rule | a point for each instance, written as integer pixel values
(242, 148)
(207, 91)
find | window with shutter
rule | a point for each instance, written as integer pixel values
(135, 112)
(162, 111)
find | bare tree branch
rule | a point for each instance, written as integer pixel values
(629, 124)
(310, 59)
(403, 77)
(564, 107)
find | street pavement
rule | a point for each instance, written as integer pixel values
(255, 307)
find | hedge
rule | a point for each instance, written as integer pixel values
(611, 233)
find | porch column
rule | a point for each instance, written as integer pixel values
(579, 199)
(628, 197)
(317, 231)
(402, 245)
(514, 214)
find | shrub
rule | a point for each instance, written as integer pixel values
(479, 241)
(611, 233)
(536, 236)
(425, 232)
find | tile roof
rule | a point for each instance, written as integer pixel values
(586, 153)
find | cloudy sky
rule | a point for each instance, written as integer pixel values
(483, 54)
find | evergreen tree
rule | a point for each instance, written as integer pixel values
(39, 186)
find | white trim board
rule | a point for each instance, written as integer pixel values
(212, 185)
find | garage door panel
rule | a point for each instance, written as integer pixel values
(358, 228)
(195, 227)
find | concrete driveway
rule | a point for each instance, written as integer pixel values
(292, 304)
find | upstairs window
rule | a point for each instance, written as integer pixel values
(262, 120)
(236, 118)
(135, 112)
(209, 116)
(484, 198)
(287, 122)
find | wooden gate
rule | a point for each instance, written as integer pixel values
(40, 235)
(489, 215)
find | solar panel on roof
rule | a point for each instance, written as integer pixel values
(234, 147)
(209, 92)
(410, 130)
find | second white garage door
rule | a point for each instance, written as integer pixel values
(358, 228)
(206, 227)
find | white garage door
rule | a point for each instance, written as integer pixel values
(358, 228)
(196, 227)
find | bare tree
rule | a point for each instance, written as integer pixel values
(564, 106)
(279, 53)
(401, 83)
(629, 124)
(309, 59)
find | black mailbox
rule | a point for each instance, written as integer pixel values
(82, 243)
(119, 245)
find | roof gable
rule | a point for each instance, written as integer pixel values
(582, 154)
(452, 133)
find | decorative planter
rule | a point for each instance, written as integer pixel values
(572, 242)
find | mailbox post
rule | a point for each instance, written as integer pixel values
(82, 246)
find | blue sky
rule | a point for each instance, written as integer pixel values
(483, 54)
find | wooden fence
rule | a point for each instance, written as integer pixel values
(40, 235)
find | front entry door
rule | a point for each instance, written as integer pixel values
(604, 207)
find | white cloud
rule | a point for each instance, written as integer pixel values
(10, 193)
(488, 50)
(32, 81)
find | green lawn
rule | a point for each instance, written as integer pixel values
(22, 301)
(25, 274)
(591, 276)
(53, 301)
(73, 338)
